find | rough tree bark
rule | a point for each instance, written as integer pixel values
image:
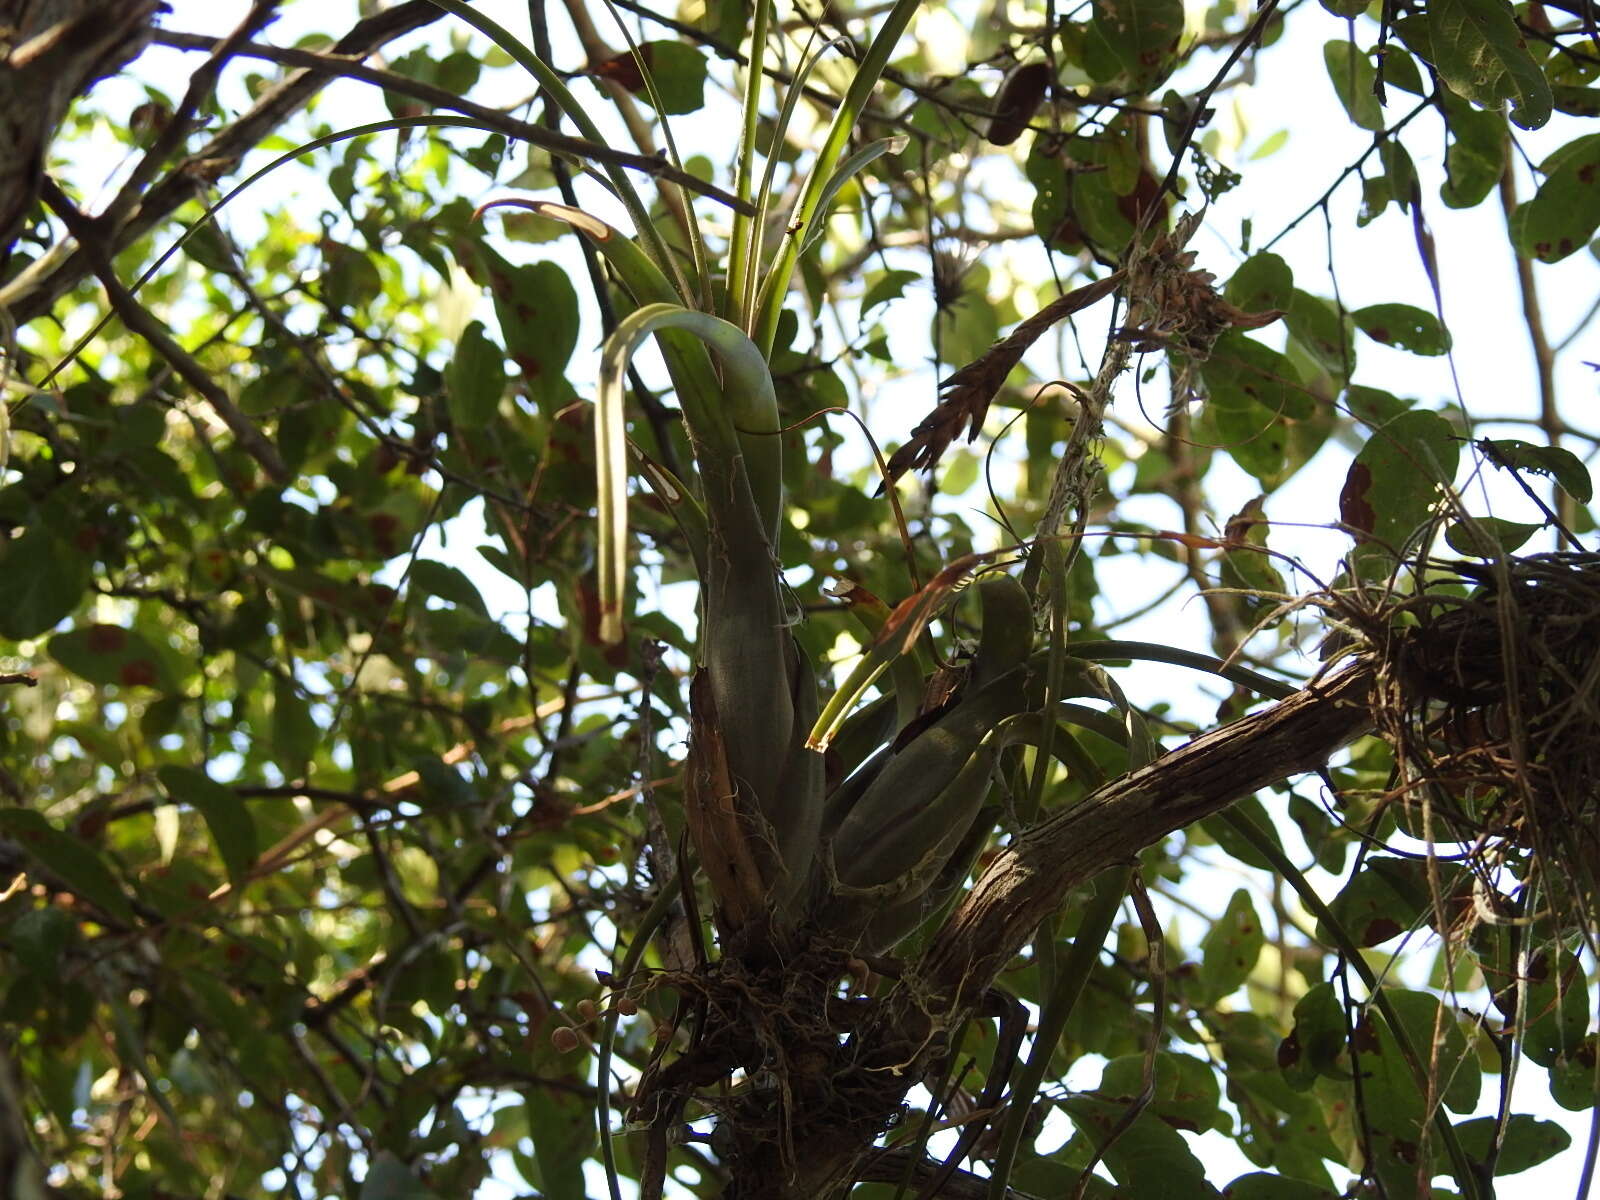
(51, 51)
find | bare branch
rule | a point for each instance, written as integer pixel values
(141, 321)
(30, 296)
(1028, 880)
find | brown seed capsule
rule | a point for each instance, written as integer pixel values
(627, 1006)
(564, 1039)
(1019, 98)
(587, 1010)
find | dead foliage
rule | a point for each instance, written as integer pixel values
(1490, 696)
(1172, 305)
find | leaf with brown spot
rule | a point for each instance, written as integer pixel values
(677, 69)
(111, 655)
(1565, 212)
(1354, 510)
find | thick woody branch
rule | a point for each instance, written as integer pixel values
(1027, 881)
(50, 52)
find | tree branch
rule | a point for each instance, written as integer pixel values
(1029, 878)
(141, 321)
(33, 292)
(346, 66)
(49, 53)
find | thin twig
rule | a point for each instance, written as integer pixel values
(141, 321)
(349, 67)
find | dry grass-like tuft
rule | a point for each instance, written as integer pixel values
(1490, 696)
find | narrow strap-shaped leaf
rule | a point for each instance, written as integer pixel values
(552, 83)
(749, 423)
(747, 280)
(765, 325)
(851, 167)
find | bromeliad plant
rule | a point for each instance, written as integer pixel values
(828, 833)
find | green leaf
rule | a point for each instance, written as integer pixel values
(1394, 483)
(1242, 373)
(1577, 101)
(1557, 1007)
(1572, 1076)
(476, 379)
(1476, 156)
(1565, 467)
(1261, 1185)
(1528, 1141)
(38, 938)
(1380, 902)
(1316, 1041)
(226, 815)
(538, 313)
(1373, 406)
(848, 170)
(1263, 281)
(1403, 326)
(71, 858)
(1256, 440)
(448, 584)
(1400, 70)
(1480, 53)
(1489, 537)
(1149, 1158)
(562, 1125)
(1564, 213)
(1231, 947)
(110, 655)
(1355, 81)
(1186, 1091)
(1142, 34)
(391, 1179)
(1235, 843)
(1394, 1111)
(891, 285)
(294, 732)
(1315, 324)
(42, 579)
(677, 69)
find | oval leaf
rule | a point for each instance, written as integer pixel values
(476, 378)
(110, 655)
(70, 858)
(1564, 213)
(226, 816)
(1394, 483)
(42, 578)
(1404, 327)
(1565, 467)
(1481, 55)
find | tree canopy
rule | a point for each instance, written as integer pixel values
(790, 600)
